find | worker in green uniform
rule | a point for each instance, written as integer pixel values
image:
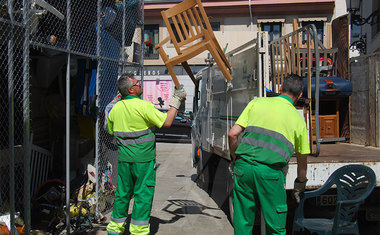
(273, 132)
(129, 121)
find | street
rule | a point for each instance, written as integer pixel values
(180, 206)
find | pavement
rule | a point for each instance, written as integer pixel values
(180, 206)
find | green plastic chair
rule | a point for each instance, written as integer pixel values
(354, 183)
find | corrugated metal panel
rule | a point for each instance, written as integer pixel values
(340, 39)
(365, 105)
(372, 100)
(359, 102)
(377, 61)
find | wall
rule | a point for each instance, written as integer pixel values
(340, 8)
(373, 38)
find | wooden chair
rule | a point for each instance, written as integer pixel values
(183, 18)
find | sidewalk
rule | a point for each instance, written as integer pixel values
(180, 206)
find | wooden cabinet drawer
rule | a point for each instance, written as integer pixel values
(328, 126)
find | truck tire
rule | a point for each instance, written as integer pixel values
(203, 170)
(200, 170)
(231, 208)
(230, 199)
(194, 152)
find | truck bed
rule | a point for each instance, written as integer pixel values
(332, 157)
(344, 153)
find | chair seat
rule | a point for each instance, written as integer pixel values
(315, 225)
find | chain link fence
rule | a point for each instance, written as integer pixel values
(59, 64)
(14, 114)
(106, 148)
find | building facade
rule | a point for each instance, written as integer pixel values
(368, 14)
(235, 23)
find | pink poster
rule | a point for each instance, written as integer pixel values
(158, 92)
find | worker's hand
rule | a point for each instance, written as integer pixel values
(178, 97)
(180, 93)
(299, 189)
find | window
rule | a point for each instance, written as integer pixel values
(319, 25)
(273, 29)
(215, 26)
(355, 31)
(150, 40)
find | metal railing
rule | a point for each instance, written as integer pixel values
(288, 56)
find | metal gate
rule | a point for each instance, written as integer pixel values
(59, 63)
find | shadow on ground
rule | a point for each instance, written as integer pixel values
(188, 207)
(178, 208)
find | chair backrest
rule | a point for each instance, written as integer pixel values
(189, 21)
(352, 182)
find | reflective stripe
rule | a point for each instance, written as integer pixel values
(139, 229)
(139, 222)
(118, 220)
(116, 228)
(267, 145)
(132, 134)
(136, 141)
(112, 232)
(271, 133)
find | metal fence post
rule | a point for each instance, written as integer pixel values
(142, 44)
(11, 134)
(123, 40)
(11, 127)
(68, 22)
(317, 71)
(68, 144)
(97, 140)
(26, 114)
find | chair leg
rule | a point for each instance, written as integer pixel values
(220, 63)
(172, 74)
(221, 53)
(189, 72)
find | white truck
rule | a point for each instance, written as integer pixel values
(217, 106)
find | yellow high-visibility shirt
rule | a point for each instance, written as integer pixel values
(129, 121)
(274, 131)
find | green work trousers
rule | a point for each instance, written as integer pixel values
(135, 179)
(261, 184)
